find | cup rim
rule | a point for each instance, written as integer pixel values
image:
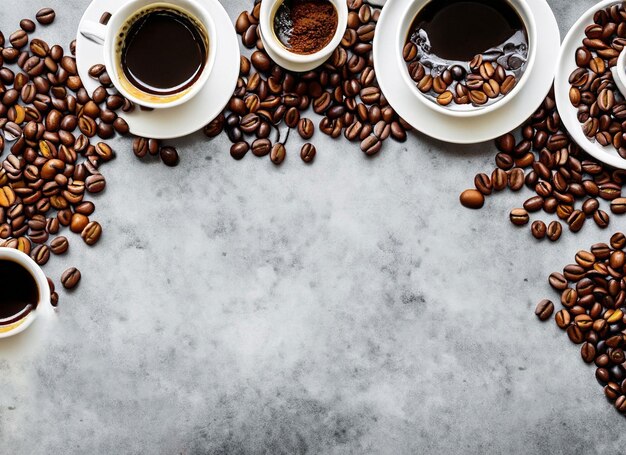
(523, 9)
(42, 283)
(124, 12)
(268, 7)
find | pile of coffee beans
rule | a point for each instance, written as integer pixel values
(567, 183)
(343, 91)
(54, 132)
(601, 106)
(593, 299)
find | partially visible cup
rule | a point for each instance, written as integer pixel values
(113, 36)
(291, 60)
(25, 277)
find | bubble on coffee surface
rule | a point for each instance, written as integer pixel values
(451, 35)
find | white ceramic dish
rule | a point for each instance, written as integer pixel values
(390, 66)
(196, 113)
(567, 64)
(523, 10)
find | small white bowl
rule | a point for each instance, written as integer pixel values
(525, 13)
(290, 60)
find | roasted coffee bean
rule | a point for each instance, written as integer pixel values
(519, 217)
(516, 179)
(306, 128)
(544, 309)
(483, 184)
(538, 229)
(59, 245)
(70, 278)
(239, 150)
(261, 147)
(499, 179)
(308, 152)
(278, 153)
(45, 16)
(91, 233)
(472, 199)
(169, 156)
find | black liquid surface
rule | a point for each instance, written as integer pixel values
(459, 30)
(164, 53)
(18, 289)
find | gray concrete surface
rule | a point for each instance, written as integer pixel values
(351, 306)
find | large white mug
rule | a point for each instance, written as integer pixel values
(109, 34)
(20, 322)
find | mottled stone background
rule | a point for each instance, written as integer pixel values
(351, 306)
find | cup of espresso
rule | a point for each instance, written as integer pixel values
(159, 54)
(25, 292)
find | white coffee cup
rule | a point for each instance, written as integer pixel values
(525, 13)
(13, 326)
(290, 60)
(106, 35)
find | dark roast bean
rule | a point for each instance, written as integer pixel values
(45, 16)
(544, 309)
(70, 278)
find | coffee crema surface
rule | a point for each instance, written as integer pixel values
(164, 52)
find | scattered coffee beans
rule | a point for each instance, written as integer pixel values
(567, 183)
(343, 91)
(48, 120)
(601, 106)
(594, 300)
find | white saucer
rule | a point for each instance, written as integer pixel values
(197, 112)
(567, 64)
(387, 60)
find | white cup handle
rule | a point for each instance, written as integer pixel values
(93, 31)
(619, 72)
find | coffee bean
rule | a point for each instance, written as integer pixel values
(371, 145)
(239, 150)
(91, 233)
(70, 278)
(59, 245)
(618, 241)
(169, 156)
(472, 199)
(278, 153)
(618, 206)
(483, 184)
(18, 39)
(499, 179)
(95, 183)
(306, 128)
(544, 309)
(588, 352)
(519, 217)
(576, 220)
(538, 229)
(261, 147)
(308, 152)
(516, 179)
(45, 16)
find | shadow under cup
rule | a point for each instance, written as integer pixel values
(161, 54)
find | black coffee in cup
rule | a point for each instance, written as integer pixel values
(19, 292)
(163, 51)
